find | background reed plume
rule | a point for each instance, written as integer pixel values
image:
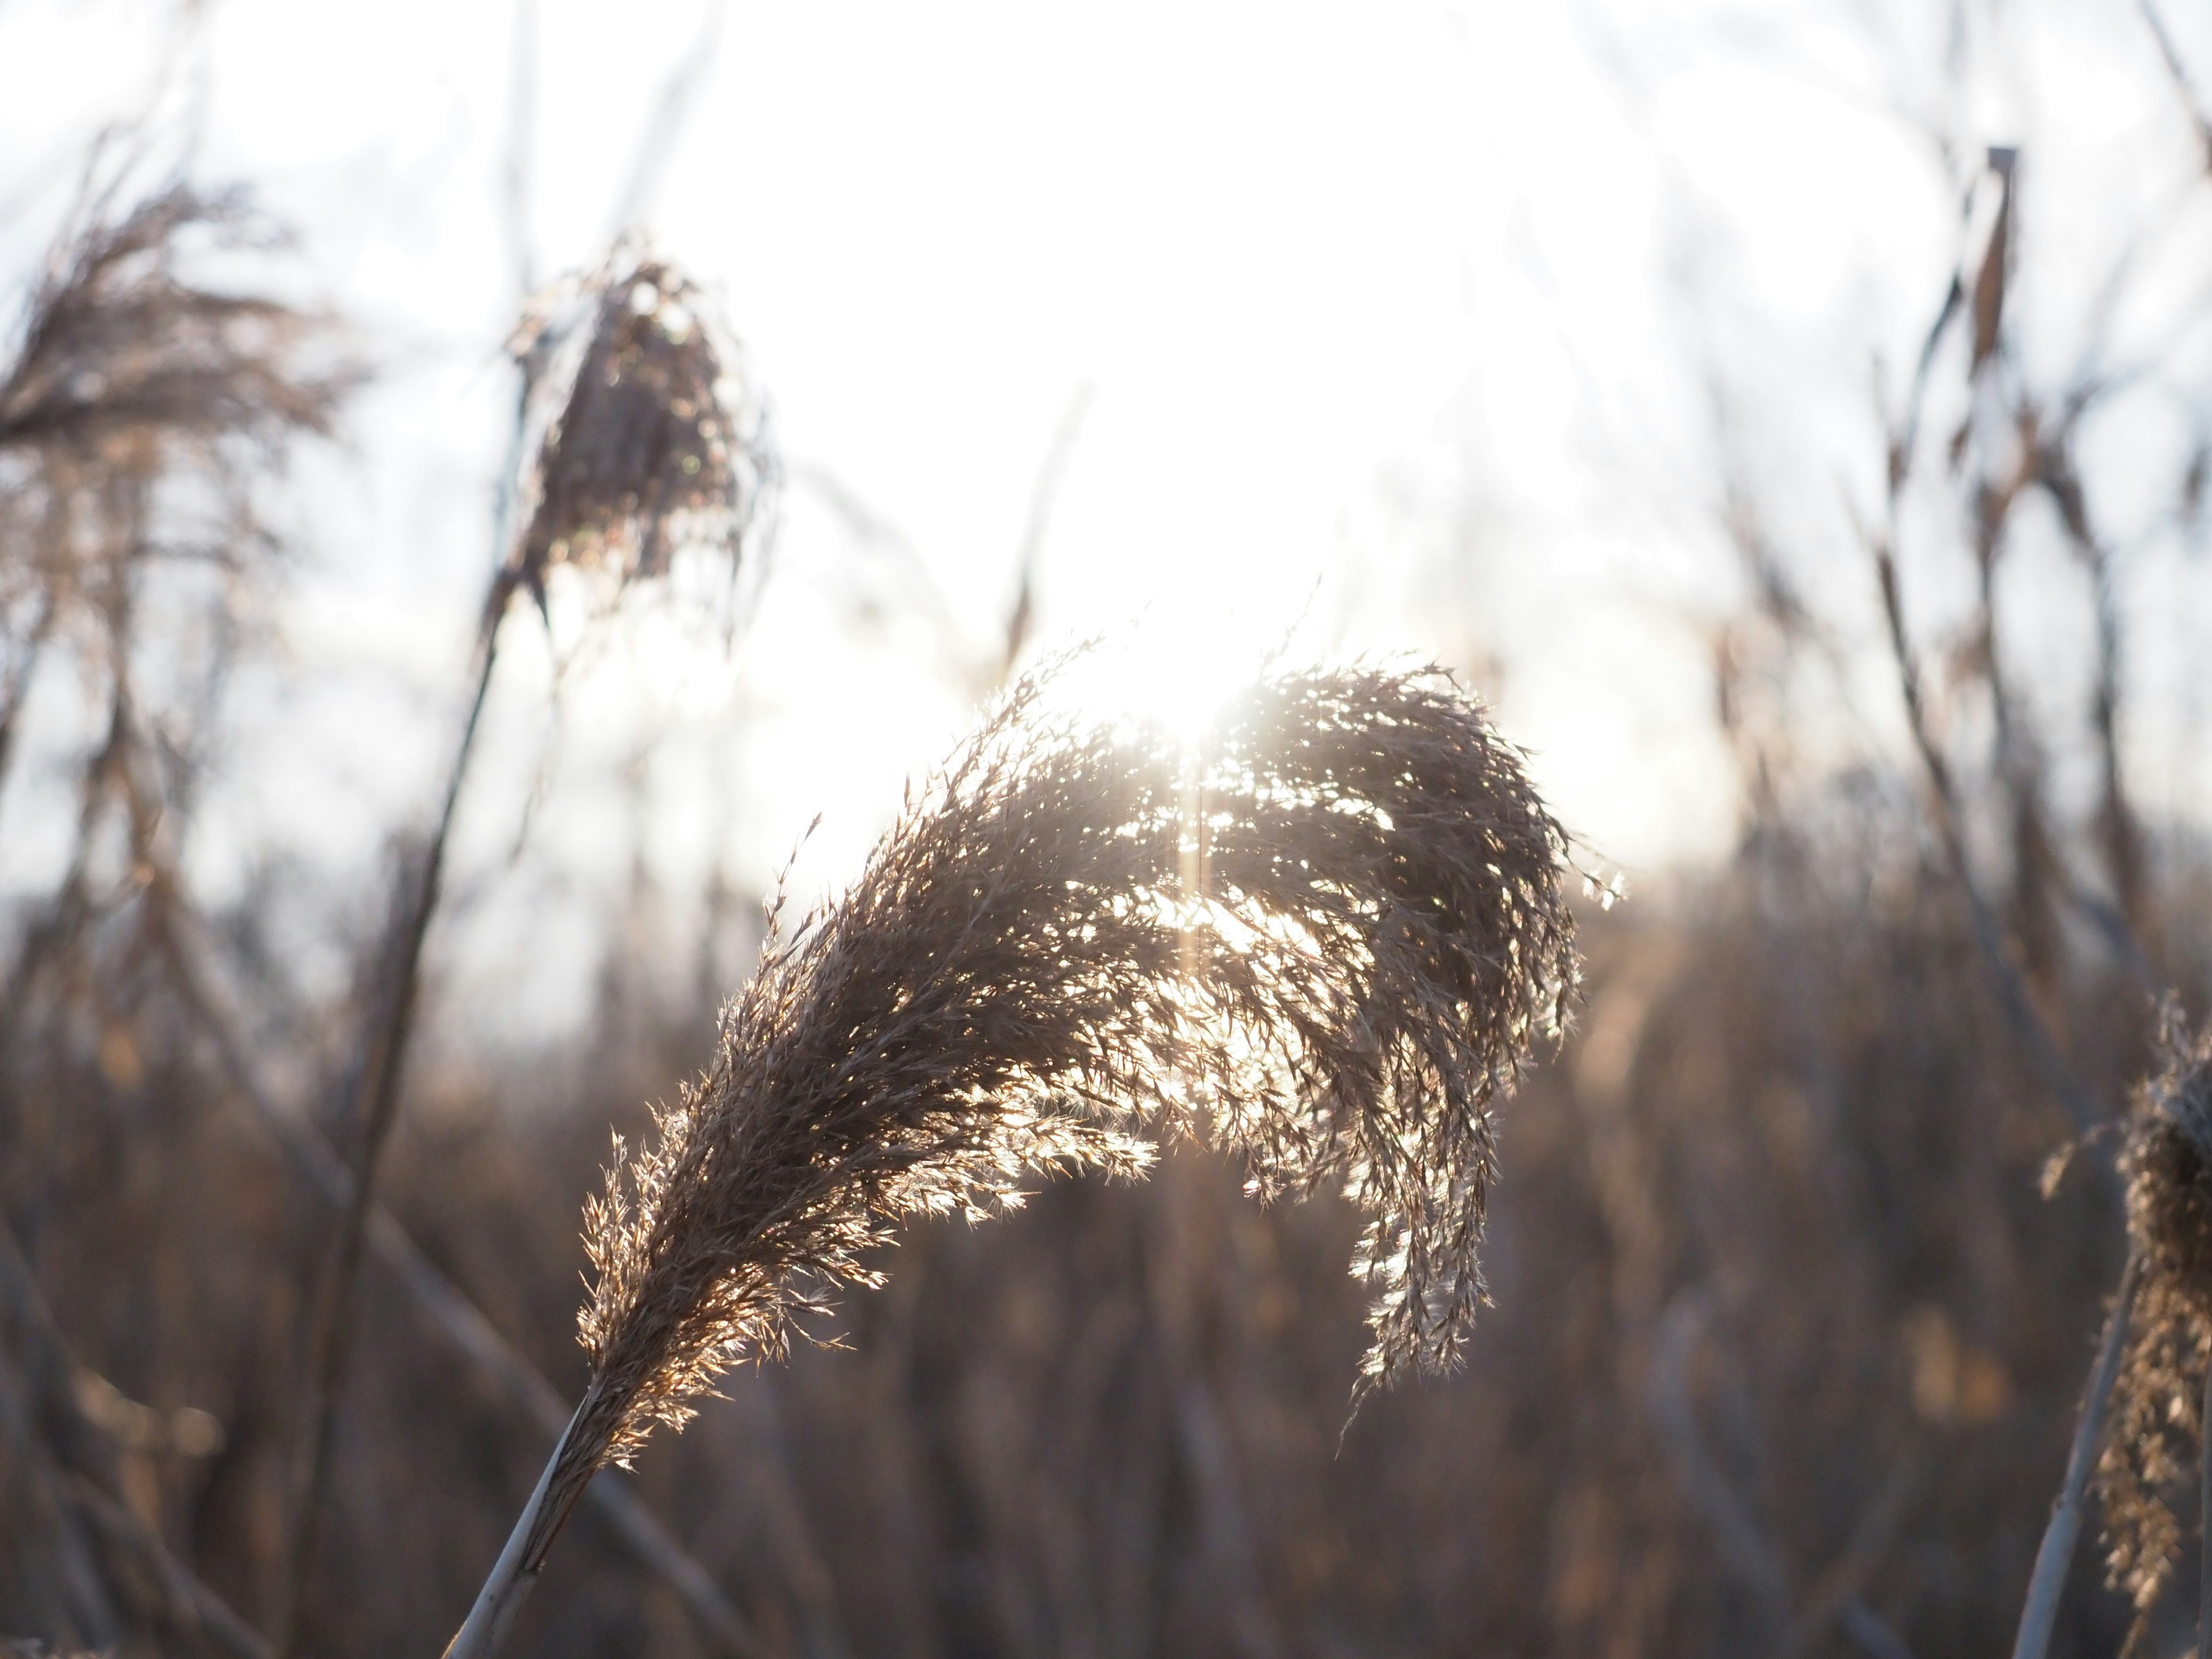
(1326, 939)
(138, 407)
(2157, 1429)
(649, 433)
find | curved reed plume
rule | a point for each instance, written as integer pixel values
(1325, 936)
(2157, 1428)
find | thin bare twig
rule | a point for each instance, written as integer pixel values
(1743, 1542)
(1044, 497)
(672, 110)
(19, 678)
(193, 1606)
(1746, 1545)
(75, 1594)
(2004, 976)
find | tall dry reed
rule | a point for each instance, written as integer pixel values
(635, 433)
(1325, 936)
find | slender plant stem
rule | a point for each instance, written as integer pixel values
(2004, 976)
(2039, 1613)
(383, 1056)
(49, 1370)
(2179, 73)
(377, 1090)
(514, 1574)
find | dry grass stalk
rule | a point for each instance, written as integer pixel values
(657, 441)
(2157, 1431)
(1025, 978)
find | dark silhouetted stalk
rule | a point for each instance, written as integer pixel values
(377, 1095)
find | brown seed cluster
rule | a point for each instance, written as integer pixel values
(659, 439)
(2156, 1428)
(1325, 935)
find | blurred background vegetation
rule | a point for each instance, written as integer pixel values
(1796, 419)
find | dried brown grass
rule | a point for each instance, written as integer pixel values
(139, 406)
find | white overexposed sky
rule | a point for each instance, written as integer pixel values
(1392, 322)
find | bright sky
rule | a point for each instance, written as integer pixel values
(1388, 316)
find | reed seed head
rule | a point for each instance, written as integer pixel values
(656, 438)
(128, 369)
(1324, 937)
(119, 344)
(2156, 1422)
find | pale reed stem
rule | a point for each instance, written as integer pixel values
(2041, 1611)
(514, 1574)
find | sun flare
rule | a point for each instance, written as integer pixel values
(1176, 670)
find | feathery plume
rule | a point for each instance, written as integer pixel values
(1324, 935)
(649, 432)
(119, 345)
(129, 372)
(2157, 1423)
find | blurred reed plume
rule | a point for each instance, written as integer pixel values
(1329, 949)
(145, 405)
(2157, 1429)
(121, 347)
(651, 434)
(138, 392)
